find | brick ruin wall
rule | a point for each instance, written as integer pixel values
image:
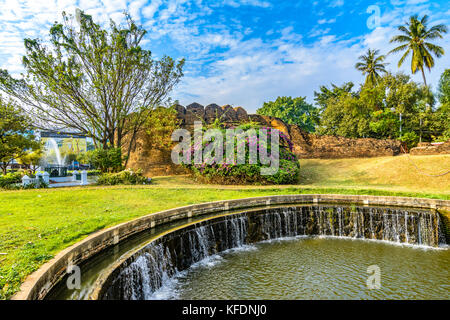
(155, 161)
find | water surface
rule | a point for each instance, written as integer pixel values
(315, 268)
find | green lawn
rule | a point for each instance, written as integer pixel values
(36, 224)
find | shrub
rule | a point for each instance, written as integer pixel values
(212, 171)
(410, 138)
(10, 179)
(13, 181)
(105, 160)
(127, 176)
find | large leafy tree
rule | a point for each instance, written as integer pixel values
(16, 139)
(373, 111)
(442, 119)
(96, 81)
(371, 65)
(292, 111)
(444, 89)
(323, 96)
(415, 40)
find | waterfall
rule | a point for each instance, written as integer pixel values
(149, 268)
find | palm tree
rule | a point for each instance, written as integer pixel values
(414, 37)
(372, 64)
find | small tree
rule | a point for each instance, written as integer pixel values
(31, 159)
(16, 139)
(159, 127)
(292, 111)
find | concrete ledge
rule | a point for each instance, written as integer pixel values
(39, 283)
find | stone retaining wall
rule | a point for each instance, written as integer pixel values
(426, 148)
(306, 145)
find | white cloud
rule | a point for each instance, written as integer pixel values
(336, 3)
(244, 71)
(323, 21)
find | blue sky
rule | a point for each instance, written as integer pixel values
(242, 52)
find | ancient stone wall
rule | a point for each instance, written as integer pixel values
(426, 148)
(306, 145)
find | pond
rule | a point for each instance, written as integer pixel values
(285, 252)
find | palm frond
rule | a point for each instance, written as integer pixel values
(424, 20)
(400, 39)
(402, 59)
(437, 50)
(399, 48)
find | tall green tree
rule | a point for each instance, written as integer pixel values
(99, 82)
(16, 139)
(442, 118)
(323, 96)
(371, 65)
(415, 40)
(292, 111)
(444, 89)
(373, 111)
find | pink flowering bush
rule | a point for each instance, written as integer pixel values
(214, 170)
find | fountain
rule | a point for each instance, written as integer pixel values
(54, 162)
(151, 267)
(330, 235)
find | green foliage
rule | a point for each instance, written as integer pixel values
(385, 123)
(10, 179)
(16, 139)
(444, 89)
(410, 138)
(13, 181)
(322, 98)
(128, 177)
(70, 156)
(98, 81)
(159, 127)
(345, 116)
(31, 158)
(292, 111)
(374, 110)
(106, 160)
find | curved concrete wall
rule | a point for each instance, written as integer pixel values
(38, 284)
(137, 274)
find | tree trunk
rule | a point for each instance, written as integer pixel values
(132, 141)
(423, 75)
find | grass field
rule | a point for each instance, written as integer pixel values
(387, 173)
(36, 224)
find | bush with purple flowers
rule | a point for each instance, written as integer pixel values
(214, 169)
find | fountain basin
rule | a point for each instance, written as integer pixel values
(138, 274)
(40, 283)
